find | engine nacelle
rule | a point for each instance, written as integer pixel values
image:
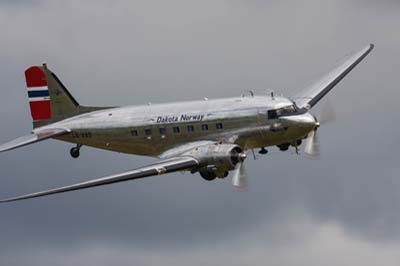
(216, 160)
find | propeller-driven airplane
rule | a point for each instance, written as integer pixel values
(210, 137)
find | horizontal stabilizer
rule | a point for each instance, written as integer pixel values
(36, 136)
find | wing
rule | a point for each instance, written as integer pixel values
(36, 136)
(162, 167)
(309, 97)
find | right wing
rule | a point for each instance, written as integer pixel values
(310, 96)
(159, 168)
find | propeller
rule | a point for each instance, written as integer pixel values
(239, 178)
(326, 115)
(311, 148)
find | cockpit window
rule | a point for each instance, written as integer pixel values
(272, 114)
(287, 110)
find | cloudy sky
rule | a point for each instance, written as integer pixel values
(341, 210)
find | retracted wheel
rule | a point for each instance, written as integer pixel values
(263, 151)
(284, 146)
(209, 176)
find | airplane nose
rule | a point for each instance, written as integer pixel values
(309, 119)
(305, 120)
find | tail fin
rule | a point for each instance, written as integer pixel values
(49, 99)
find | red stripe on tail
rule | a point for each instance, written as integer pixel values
(35, 77)
(40, 110)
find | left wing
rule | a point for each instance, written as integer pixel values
(162, 167)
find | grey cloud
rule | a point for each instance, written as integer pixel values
(131, 52)
(306, 243)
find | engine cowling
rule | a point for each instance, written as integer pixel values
(216, 160)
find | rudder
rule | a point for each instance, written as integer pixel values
(49, 99)
(38, 94)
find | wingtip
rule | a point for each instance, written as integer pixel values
(18, 198)
(6, 200)
(367, 49)
(371, 46)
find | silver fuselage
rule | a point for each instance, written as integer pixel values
(152, 130)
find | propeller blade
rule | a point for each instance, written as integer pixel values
(239, 179)
(327, 114)
(311, 149)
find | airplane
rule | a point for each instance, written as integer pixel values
(209, 137)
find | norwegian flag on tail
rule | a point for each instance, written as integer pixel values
(38, 93)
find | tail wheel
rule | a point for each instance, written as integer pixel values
(75, 151)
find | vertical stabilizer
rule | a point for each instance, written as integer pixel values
(49, 99)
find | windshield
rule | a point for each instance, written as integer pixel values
(287, 110)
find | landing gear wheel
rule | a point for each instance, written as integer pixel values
(209, 176)
(284, 146)
(263, 151)
(296, 143)
(75, 151)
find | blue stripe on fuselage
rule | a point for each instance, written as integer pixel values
(33, 94)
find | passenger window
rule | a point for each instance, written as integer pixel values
(204, 127)
(176, 130)
(162, 131)
(190, 128)
(147, 132)
(134, 133)
(219, 126)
